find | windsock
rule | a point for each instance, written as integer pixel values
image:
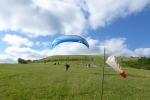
(113, 63)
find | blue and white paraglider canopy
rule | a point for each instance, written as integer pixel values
(69, 38)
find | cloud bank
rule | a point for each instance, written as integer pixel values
(41, 18)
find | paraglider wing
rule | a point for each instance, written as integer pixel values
(69, 38)
(113, 63)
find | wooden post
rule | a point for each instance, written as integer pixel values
(103, 75)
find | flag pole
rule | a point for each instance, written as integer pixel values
(103, 75)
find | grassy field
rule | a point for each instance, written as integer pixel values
(51, 82)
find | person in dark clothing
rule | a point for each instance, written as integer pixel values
(67, 66)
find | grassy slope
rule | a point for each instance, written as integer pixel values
(47, 81)
(86, 59)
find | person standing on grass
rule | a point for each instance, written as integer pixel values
(67, 66)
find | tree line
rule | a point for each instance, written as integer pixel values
(22, 61)
(141, 63)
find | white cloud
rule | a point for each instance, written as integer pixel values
(46, 44)
(116, 46)
(36, 17)
(17, 40)
(26, 53)
(103, 12)
(142, 51)
(4, 58)
(44, 17)
(37, 43)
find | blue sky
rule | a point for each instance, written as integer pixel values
(28, 28)
(135, 28)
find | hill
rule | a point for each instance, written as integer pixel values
(86, 59)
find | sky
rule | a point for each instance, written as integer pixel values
(28, 28)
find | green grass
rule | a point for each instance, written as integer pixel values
(50, 82)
